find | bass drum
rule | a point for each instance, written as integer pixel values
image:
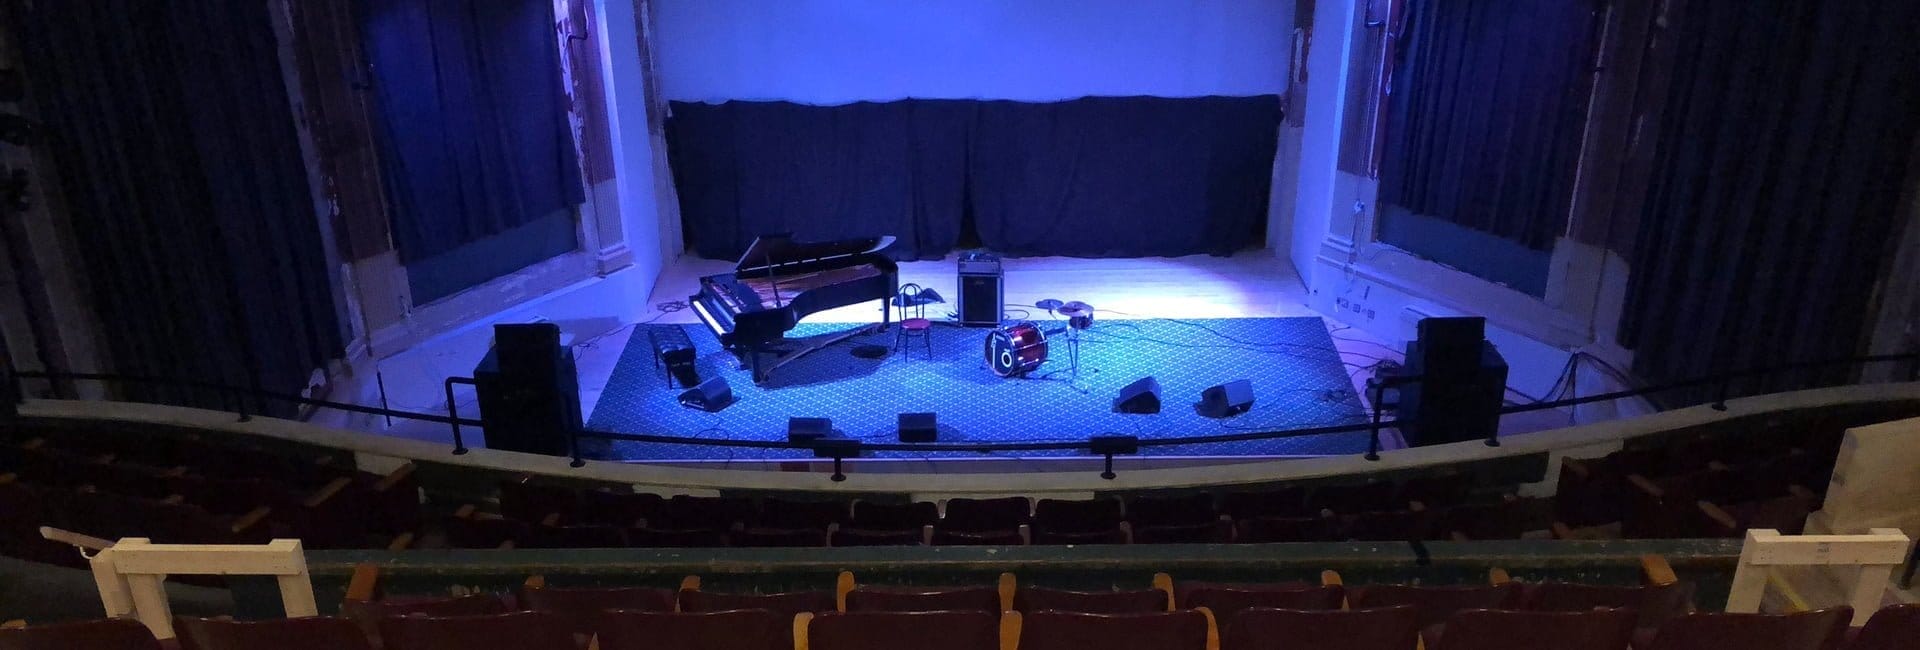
(1016, 349)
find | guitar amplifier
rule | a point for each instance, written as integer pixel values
(982, 289)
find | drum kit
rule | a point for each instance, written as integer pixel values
(1017, 349)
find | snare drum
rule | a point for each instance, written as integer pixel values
(1016, 349)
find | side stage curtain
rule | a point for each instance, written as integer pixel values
(1776, 187)
(473, 120)
(180, 167)
(1123, 176)
(1485, 115)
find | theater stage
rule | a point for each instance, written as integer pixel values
(1297, 375)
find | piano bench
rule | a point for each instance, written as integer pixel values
(673, 349)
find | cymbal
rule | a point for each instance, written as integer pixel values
(1075, 308)
(1049, 304)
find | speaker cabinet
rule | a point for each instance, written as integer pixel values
(1142, 396)
(982, 290)
(1461, 384)
(1228, 399)
(919, 427)
(529, 391)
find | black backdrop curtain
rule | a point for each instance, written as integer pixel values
(1781, 152)
(1115, 176)
(182, 172)
(473, 121)
(1485, 113)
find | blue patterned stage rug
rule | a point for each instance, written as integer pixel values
(1298, 381)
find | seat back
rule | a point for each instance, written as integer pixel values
(1136, 601)
(1284, 501)
(1890, 628)
(108, 634)
(1054, 630)
(868, 514)
(682, 538)
(1388, 628)
(724, 630)
(975, 515)
(877, 537)
(1655, 603)
(1228, 601)
(579, 608)
(316, 633)
(684, 511)
(1171, 510)
(1716, 630)
(368, 613)
(779, 537)
(1049, 536)
(512, 631)
(890, 599)
(917, 630)
(1435, 604)
(579, 536)
(780, 513)
(1485, 629)
(1266, 530)
(1006, 537)
(786, 604)
(532, 502)
(619, 508)
(1060, 516)
(1214, 532)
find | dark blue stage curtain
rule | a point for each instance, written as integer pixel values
(180, 168)
(1484, 122)
(1776, 199)
(1095, 177)
(473, 123)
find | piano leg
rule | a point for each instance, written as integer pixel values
(886, 313)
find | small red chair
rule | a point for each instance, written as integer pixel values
(915, 297)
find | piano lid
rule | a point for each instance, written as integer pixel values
(772, 251)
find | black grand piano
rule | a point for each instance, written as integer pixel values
(780, 281)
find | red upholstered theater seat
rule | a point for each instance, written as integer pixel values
(512, 631)
(1007, 537)
(1134, 601)
(1391, 628)
(976, 515)
(1094, 515)
(1723, 631)
(876, 537)
(1043, 535)
(1054, 630)
(619, 508)
(1437, 603)
(1227, 601)
(1171, 510)
(531, 502)
(916, 630)
(1213, 532)
(1485, 629)
(649, 537)
(1286, 501)
(778, 537)
(1891, 628)
(684, 512)
(786, 604)
(110, 634)
(1654, 603)
(367, 614)
(317, 633)
(781, 513)
(724, 630)
(894, 516)
(1267, 530)
(579, 607)
(913, 599)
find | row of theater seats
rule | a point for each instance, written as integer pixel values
(195, 492)
(533, 514)
(1706, 486)
(1174, 615)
